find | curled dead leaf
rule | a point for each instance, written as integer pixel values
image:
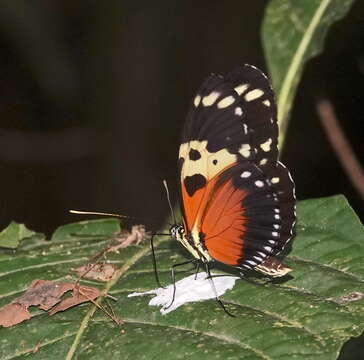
(45, 294)
(80, 295)
(12, 314)
(136, 236)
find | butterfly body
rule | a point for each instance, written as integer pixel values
(191, 242)
(238, 200)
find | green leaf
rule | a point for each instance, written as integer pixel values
(103, 227)
(293, 32)
(13, 234)
(309, 315)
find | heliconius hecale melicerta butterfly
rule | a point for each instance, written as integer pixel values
(238, 200)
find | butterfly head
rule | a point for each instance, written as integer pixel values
(177, 232)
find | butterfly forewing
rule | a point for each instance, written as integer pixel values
(215, 137)
(260, 107)
(238, 200)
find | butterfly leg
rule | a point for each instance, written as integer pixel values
(154, 259)
(173, 275)
(209, 276)
(197, 268)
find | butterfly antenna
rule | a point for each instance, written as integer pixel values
(107, 214)
(169, 201)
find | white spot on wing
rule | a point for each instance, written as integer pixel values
(275, 180)
(259, 183)
(266, 102)
(266, 145)
(210, 99)
(197, 100)
(251, 262)
(245, 150)
(253, 94)
(225, 102)
(238, 111)
(245, 127)
(241, 88)
(245, 174)
(263, 161)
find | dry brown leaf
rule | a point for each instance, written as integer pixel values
(80, 295)
(136, 236)
(101, 272)
(12, 314)
(45, 294)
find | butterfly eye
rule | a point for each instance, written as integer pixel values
(173, 231)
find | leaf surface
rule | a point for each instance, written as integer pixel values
(293, 32)
(308, 315)
(12, 235)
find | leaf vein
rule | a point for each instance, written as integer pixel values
(46, 264)
(293, 323)
(214, 335)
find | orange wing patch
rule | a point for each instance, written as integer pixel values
(195, 204)
(224, 224)
(217, 212)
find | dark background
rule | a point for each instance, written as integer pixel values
(93, 96)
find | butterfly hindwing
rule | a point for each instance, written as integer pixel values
(238, 225)
(284, 187)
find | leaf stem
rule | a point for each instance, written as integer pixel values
(283, 104)
(341, 145)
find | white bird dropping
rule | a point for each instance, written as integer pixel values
(190, 289)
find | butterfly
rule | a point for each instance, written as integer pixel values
(238, 199)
